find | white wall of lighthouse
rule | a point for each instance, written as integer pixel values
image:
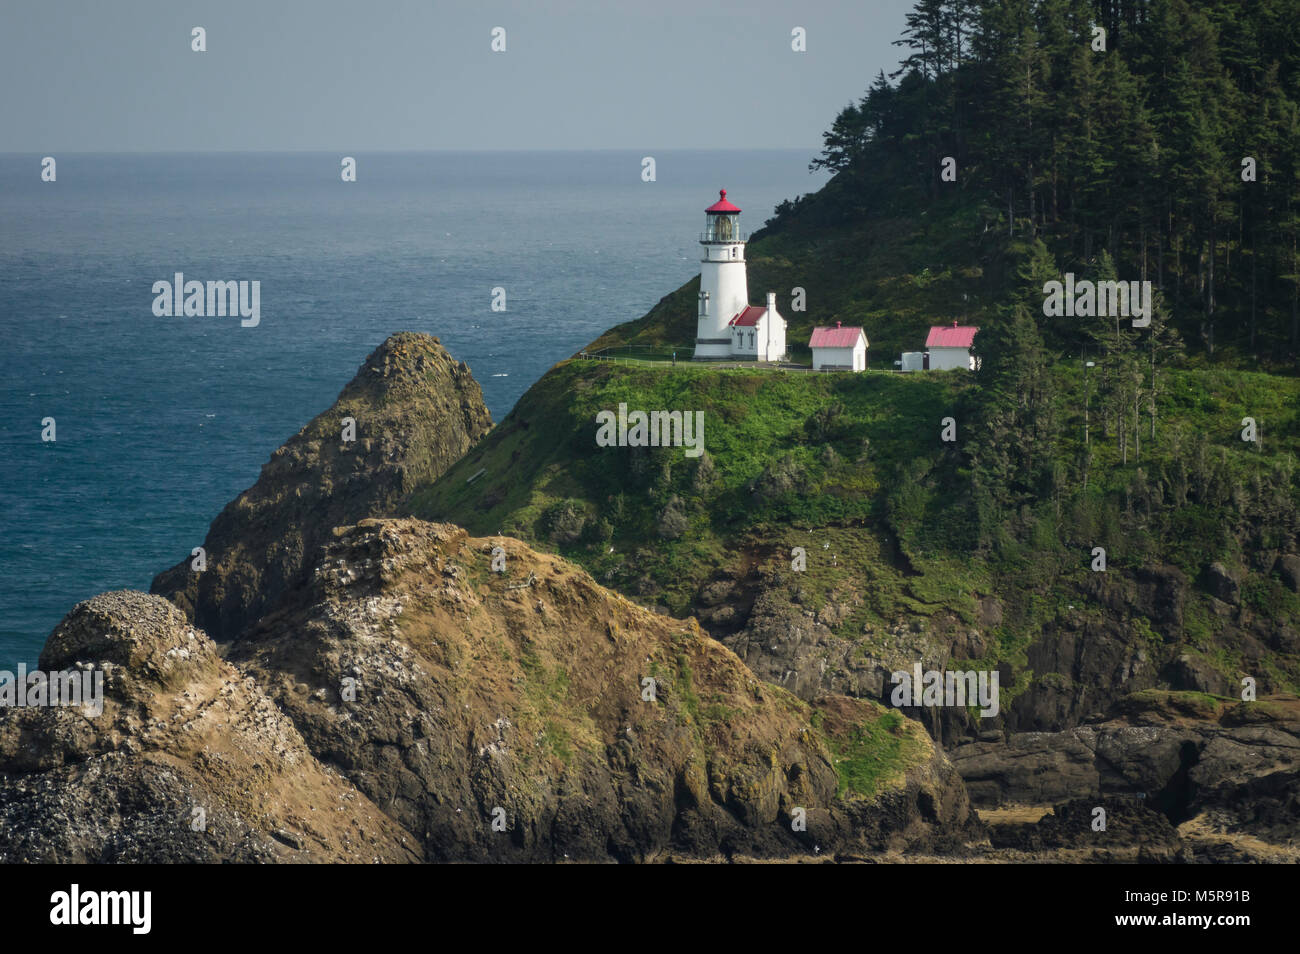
(724, 292)
(724, 287)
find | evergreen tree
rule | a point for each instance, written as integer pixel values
(1134, 151)
(1016, 425)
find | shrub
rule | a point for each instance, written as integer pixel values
(779, 478)
(564, 521)
(673, 522)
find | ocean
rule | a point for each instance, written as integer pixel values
(160, 421)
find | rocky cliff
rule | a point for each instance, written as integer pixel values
(1122, 633)
(813, 541)
(415, 411)
(408, 702)
(389, 688)
(396, 690)
(589, 727)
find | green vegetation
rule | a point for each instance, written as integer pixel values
(547, 712)
(851, 468)
(875, 752)
(1201, 705)
(784, 454)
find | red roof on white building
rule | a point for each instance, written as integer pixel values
(837, 337)
(722, 205)
(748, 318)
(956, 336)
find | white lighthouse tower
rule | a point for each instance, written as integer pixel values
(724, 289)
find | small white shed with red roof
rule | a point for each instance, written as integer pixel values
(950, 347)
(839, 348)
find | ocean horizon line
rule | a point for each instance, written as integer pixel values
(394, 152)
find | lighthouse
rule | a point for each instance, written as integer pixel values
(724, 290)
(727, 327)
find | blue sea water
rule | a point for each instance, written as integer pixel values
(161, 421)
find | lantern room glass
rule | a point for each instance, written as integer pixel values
(723, 227)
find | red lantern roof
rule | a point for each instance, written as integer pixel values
(722, 205)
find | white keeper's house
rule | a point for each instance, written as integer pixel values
(839, 348)
(728, 326)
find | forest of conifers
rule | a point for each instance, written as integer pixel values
(1164, 148)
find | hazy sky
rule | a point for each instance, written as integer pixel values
(119, 75)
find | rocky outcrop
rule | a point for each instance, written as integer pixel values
(582, 725)
(1287, 567)
(795, 647)
(187, 762)
(415, 410)
(1222, 584)
(1225, 766)
(1106, 829)
(410, 703)
(1090, 723)
(1125, 634)
(1083, 664)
